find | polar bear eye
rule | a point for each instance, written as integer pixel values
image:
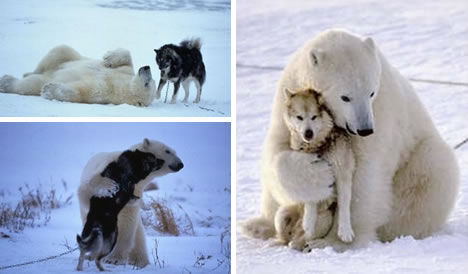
(168, 152)
(313, 117)
(372, 94)
(345, 98)
(299, 118)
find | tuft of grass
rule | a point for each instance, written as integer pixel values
(157, 261)
(166, 222)
(33, 209)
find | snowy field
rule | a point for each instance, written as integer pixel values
(199, 194)
(424, 40)
(29, 29)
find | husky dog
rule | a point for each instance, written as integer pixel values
(181, 64)
(312, 130)
(100, 230)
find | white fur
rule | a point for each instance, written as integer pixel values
(406, 179)
(64, 75)
(130, 246)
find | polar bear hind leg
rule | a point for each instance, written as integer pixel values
(59, 91)
(425, 191)
(262, 227)
(56, 57)
(30, 85)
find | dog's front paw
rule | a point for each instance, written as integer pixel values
(345, 233)
(107, 188)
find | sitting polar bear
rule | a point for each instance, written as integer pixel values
(406, 177)
(64, 75)
(131, 245)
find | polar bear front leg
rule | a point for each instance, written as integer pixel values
(139, 254)
(127, 226)
(303, 177)
(117, 58)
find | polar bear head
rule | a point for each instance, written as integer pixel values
(345, 69)
(143, 88)
(172, 162)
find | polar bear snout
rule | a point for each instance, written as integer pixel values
(176, 166)
(365, 132)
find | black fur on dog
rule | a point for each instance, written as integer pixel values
(99, 234)
(181, 64)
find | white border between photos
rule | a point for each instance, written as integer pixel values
(231, 120)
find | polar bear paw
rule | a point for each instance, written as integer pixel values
(116, 58)
(345, 233)
(6, 83)
(53, 91)
(323, 243)
(107, 188)
(259, 228)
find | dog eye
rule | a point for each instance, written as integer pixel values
(299, 118)
(372, 94)
(313, 117)
(345, 98)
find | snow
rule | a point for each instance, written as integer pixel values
(29, 29)
(46, 153)
(423, 39)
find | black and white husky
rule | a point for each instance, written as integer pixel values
(181, 64)
(100, 230)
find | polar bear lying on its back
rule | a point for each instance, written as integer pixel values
(64, 75)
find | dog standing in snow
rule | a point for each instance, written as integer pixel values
(181, 64)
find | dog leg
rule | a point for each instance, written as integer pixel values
(98, 263)
(79, 267)
(186, 85)
(162, 82)
(199, 90)
(176, 89)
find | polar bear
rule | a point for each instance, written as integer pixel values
(64, 75)
(406, 178)
(131, 245)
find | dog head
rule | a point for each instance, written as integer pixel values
(166, 58)
(306, 116)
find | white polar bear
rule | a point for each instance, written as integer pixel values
(406, 179)
(131, 245)
(64, 75)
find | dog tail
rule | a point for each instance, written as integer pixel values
(191, 43)
(88, 241)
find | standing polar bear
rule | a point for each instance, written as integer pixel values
(131, 246)
(64, 75)
(406, 177)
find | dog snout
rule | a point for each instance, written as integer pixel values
(365, 132)
(177, 166)
(308, 134)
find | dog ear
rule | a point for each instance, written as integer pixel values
(288, 94)
(156, 51)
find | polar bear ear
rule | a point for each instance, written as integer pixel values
(316, 56)
(146, 143)
(369, 42)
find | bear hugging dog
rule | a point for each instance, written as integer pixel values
(406, 177)
(130, 246)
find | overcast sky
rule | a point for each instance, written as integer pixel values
(48, 152)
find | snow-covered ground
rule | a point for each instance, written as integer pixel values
(29, 29)
(46, 153)
(423, 39)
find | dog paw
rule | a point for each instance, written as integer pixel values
(346, 234)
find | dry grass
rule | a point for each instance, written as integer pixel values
(162, 218)
(33, 209)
